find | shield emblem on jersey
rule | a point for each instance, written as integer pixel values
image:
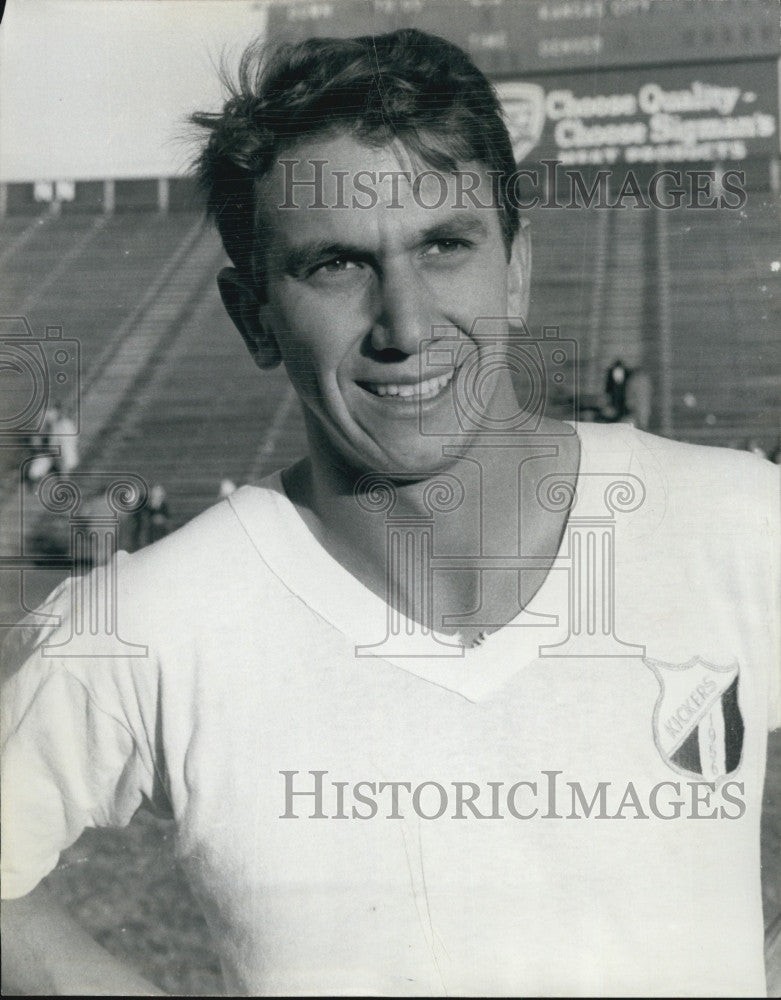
(524, 107)
(697, 723)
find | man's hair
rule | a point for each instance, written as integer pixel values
(405, 85)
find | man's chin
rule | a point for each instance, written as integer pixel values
(404, 457)
(412, 465)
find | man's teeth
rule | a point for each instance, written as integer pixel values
(428, 388)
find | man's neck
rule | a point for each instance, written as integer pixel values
(485, 503)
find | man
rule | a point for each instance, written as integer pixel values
(466, 701)
(616, 389)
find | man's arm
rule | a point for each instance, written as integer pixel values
(46, 952)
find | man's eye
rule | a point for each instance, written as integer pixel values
(446, 246)
(336, 265)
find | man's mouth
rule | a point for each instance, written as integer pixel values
(409, 390)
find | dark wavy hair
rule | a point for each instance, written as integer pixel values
(405, 85)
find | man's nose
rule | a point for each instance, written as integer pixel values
(403, 318)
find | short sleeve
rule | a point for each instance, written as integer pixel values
(76, 751)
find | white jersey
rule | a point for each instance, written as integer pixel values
(570, 808)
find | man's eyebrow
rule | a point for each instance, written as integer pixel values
(453, 229)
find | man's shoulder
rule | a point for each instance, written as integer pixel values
(688, 494)
(196, 582)
(210, 540)
(710, 476)
(206, 562)
(199, 540)
(700, 459)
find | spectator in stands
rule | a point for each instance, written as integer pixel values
(63, 433)
(40, 443)
(615, 389)
(424, 726)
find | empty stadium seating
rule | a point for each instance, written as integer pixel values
(167, 390)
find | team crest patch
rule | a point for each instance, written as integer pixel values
(524, 106)
(698, 727)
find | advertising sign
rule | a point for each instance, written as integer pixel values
(709, 112)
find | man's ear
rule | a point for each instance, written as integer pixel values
(519, 273)
(241, 302)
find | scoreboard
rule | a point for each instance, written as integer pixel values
(511, 37)
(598, 81)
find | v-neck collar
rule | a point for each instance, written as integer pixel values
(306, 568)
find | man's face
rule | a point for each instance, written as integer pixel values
(352, 294)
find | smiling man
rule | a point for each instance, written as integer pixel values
(359, 287)
(468, 700)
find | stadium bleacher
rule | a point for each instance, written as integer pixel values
(724, 303)
(119, 258)
(187, 408)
